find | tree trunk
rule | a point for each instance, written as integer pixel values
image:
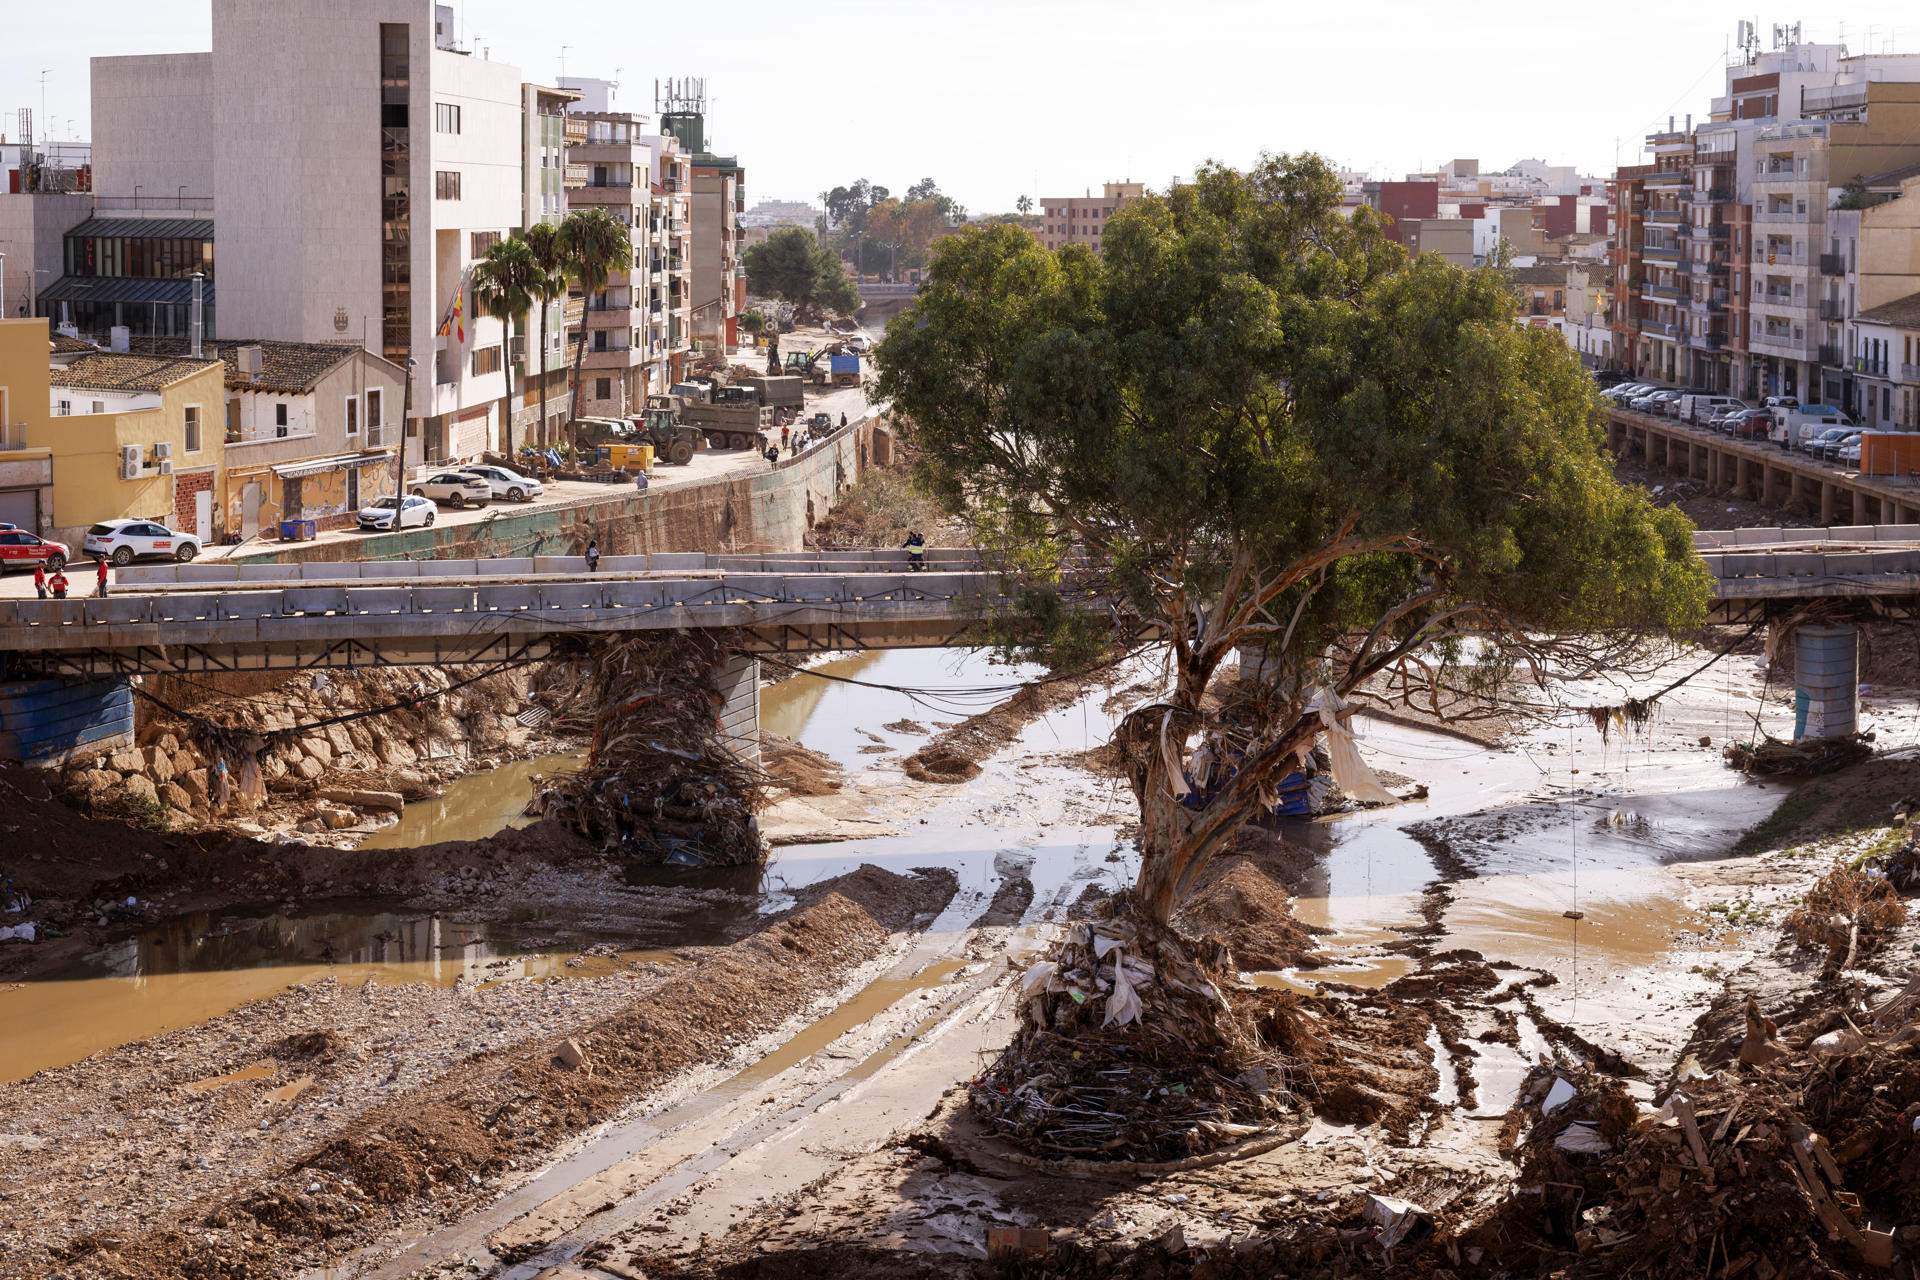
(579, 361)
(506, 406)
(546, 305)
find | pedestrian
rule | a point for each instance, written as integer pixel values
(843, 418)
(100, 572)
(40, 578)
(58, 584)
(773, 455)
(786, 437)
(593, 555)
(640, 481)
(916, 547)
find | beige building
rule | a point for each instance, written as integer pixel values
(26, 470)
(1448, 238)
(1069, 220)
(719, 281)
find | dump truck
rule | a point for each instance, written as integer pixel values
(845, 367)
(787, 392)
(729, 417)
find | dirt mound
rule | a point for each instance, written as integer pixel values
(439, 1143)
(1249, 911)
(798, 770)
(954, 754)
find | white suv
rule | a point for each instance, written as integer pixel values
(124, 541)
(504, 482)
(455, 488)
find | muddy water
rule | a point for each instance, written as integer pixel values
(474, 807)
(199, 967)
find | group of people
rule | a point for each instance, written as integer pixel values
(55, 585)
(794, 442)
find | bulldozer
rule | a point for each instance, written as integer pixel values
(662, 426)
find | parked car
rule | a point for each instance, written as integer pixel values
(1830, 449)
(124, 541)
(1605, 378)
(1849, 455)
(455, 488)
(1621, 392)
(1795, 427)
(397, 513)
(1815, 443)
(22, 550)
(1754, 424)
(505, 482)
(1652, 402)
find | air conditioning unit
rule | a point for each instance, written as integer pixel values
(166, 466)
(163, 449)
(129, 462)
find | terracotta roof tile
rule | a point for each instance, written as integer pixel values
(124, 371)
(289, 368)
(1903, 312)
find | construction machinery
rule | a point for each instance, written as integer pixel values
(729, 417)
(663, 425)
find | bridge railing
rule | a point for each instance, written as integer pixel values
(1709, 539)
(1739, 574)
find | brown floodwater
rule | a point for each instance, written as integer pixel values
(474, 807)
(199, 967)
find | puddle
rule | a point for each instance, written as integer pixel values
(199, 967)
(473, 807)
(1371, 973)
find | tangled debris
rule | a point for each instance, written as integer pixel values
(1130, 1050)
(1848, 913)
(659, 785)
(1791, 1162)
(1772, 758)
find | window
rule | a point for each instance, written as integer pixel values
(446, 184)
(486, 360)
(483, 241)
(280, 419)
(603, 388)
(193, 428)
(446, 118)
(353, 415)
(375, 395)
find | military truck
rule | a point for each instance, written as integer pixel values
(783, 393)
(729, 417)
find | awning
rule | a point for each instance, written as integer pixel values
(147, 228)
(121, 289)
(339, 462)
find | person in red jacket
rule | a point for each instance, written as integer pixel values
(100, 570)
(40, 578)
(58, 584)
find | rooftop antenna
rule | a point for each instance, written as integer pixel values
(613, 85)
(563, 60)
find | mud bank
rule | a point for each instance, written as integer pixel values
(409, 1104)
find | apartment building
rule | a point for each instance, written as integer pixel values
(26, 472)
(539, 377)
(1402, 204)
(719, 280)
(1083, 219)
(33, 228)
(625, 323)
(358, 162)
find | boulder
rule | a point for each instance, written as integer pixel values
(318, 748)
(309, 768)
(184, 762)
(388, 801)
(175, 796)
(396, 751)
(571, 1056)
(127, 760)
(195, 782)
(139, 787)
(159, 764)
(340, 740)
(168, 743)
(338, 819)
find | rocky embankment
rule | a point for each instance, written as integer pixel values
(325, 756)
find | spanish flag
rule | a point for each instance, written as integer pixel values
(455, 322)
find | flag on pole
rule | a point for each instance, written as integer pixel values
(454, 321)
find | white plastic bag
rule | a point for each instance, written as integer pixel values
(1350, 773)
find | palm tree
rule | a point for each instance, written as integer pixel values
(503, 287)
(544, 239)
(594, 245)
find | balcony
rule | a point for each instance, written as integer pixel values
(1713, 195)
(1778, 258)
(1831, 357)
(1706, 341)
(1780, 217)
(1870, 367)
(1833, 264)
(1669, 178)
(576, 176)
(1665, 293)
(1672, 216)
(1909, 372)
(1664, 252)
(1832, 309)
(1660, 328)
(1839, 97)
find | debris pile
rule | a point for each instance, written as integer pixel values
(1772, 758)
(1129, 1050)
(1848, 913)
(660, 785)
(1794, 1161)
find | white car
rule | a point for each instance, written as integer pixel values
(504, 482)
(124, 541)
(860, 343)
(397, 513)
(455, 488)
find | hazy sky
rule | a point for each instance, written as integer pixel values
(995, 98)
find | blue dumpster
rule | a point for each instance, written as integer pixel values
(298, 530)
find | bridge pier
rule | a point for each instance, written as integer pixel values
(1826, 680)
(1826, 503)
(737, 678)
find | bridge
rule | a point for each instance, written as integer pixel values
(214, 617)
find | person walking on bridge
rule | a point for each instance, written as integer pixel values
(593, 555)
(100, 571)
(40, 579)
(916, 547)
(57, 584)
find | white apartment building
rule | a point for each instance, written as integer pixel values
(359, 163)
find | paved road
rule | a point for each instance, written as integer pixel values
(707, 465)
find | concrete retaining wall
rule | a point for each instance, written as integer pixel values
(46, 722)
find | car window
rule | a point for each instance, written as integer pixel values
(100, 531)
(13, 539)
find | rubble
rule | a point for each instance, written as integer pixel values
(1848, 913)
(1772, 758)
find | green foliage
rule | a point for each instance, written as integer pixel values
(1023, 206)
(793, 266)
(1272, 429)
(505, 283)
(753, 320)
